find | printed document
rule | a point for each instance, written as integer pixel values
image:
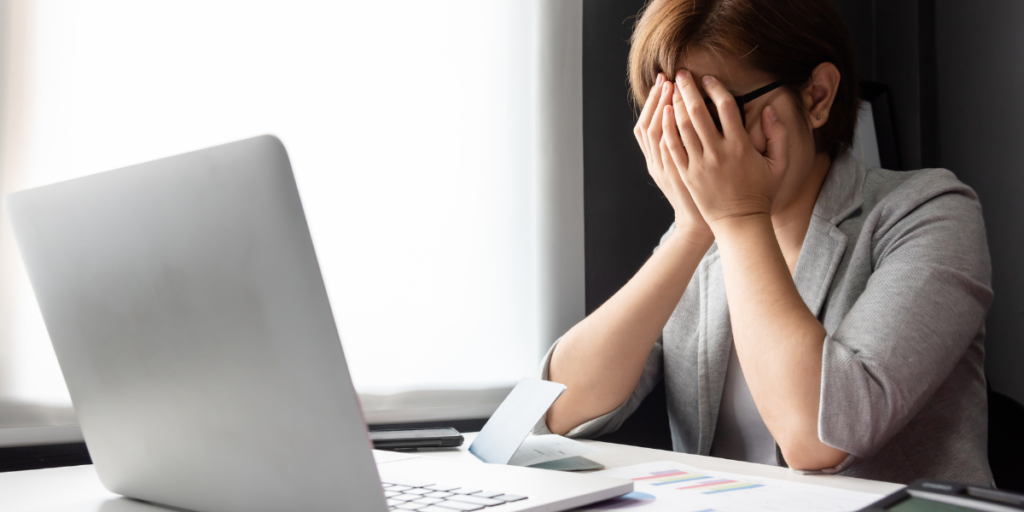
(677, 487)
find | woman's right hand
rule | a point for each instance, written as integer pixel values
(648, 131)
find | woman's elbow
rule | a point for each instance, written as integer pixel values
(810, 454)
(558, 422)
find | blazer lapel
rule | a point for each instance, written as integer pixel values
(819, 258)
(714, 348)
(824, 243)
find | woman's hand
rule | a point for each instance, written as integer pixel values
(661, 166)
(726, 176)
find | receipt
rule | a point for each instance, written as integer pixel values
(538, 449)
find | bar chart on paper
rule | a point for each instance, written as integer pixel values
(688, 481)
(680, 488)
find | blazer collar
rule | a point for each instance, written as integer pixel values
(841, 192)
(824, 244)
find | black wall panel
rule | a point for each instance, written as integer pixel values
(625, 213)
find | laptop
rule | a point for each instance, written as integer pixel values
(185, 304)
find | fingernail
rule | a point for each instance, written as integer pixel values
(707, 79)
(681, 74)
(661, 78)
(771, 113)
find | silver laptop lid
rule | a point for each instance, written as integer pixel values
(187, 310)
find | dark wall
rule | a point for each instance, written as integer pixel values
(859, 16)
(981, 132)
(904, 59)
(624, 212)
(895, 43)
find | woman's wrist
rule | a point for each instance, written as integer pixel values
(747, 236)
(697, 235)
(741, 226)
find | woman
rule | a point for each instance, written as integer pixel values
(803, 310)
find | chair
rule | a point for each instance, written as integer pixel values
(1006, 441)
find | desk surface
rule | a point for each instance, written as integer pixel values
(78, 489)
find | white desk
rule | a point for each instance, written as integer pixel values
(77, 489)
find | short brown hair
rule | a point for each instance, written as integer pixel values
(784, 38)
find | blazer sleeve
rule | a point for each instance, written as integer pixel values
(612, 420)
(923, 304)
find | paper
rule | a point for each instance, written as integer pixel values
(680, 488)
(501, 436)
(538, 449)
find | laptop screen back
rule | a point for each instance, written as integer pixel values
(188, 314)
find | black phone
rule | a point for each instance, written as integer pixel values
(411, 439)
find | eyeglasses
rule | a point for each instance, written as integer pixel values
(740, 102)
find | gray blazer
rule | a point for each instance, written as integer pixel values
(896, 267)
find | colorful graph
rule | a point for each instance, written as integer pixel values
(695, 481)
(672, 476)
(716, 486)
(677, 487)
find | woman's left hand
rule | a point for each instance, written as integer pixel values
(727, 177)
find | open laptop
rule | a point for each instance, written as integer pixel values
(186, 307)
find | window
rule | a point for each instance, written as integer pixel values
(436, 145)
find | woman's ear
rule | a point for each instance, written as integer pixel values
(820, 92)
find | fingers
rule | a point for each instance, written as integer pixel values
(671, 173)
(699, 115)
(640, 130)
(654, 130)
(778, 140)
(673, 151)
(694, 148)
(728, 110)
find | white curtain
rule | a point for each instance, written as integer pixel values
(437, 147)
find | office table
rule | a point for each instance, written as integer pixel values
(78, 489)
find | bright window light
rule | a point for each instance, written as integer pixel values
(411, 130)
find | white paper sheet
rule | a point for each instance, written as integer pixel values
(502, 435)
(538, 449)
(677, 487)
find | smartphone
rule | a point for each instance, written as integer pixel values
(412, 439)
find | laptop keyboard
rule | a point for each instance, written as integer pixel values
(430, 497)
